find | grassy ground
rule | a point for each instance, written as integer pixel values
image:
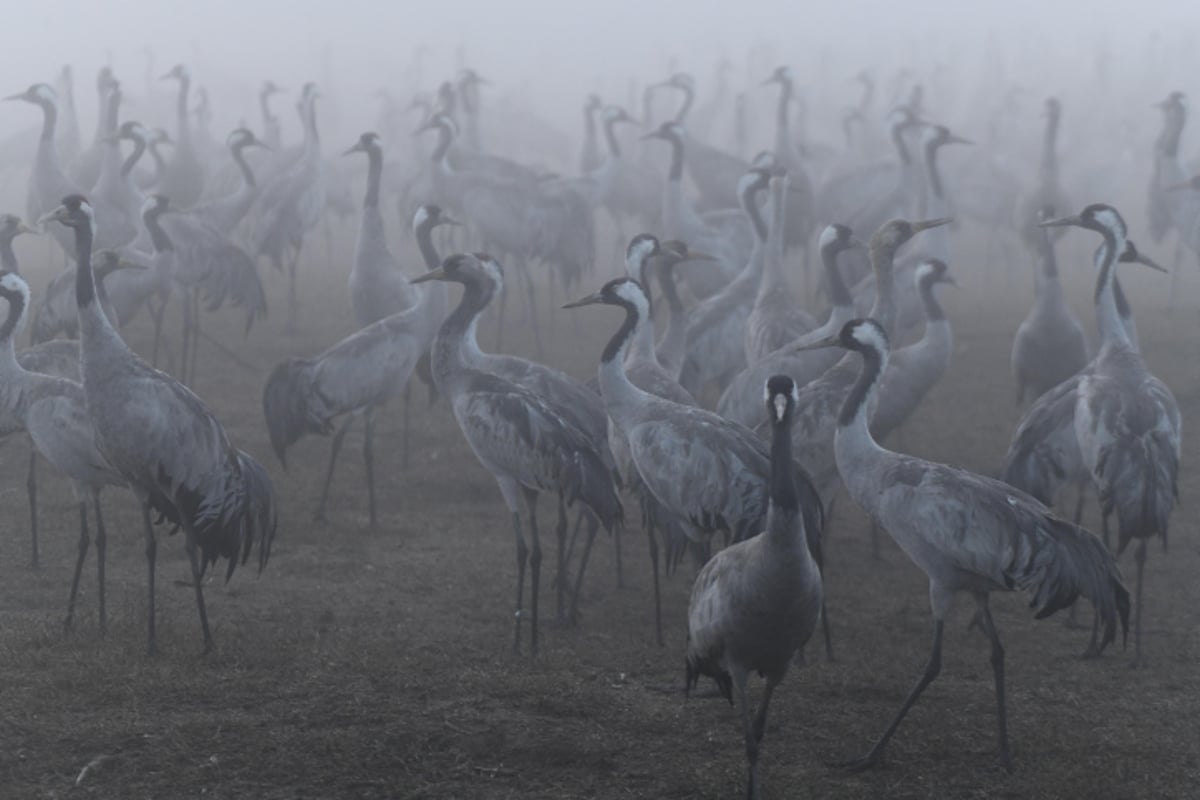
(378, 664)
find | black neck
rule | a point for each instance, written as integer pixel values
(688, 98)
(1122, 301)
(16, 308)
(933, 309)
(159, 163)
(49, 119)
(1046, 255)
(263, 99)
(8, 258)
(785, 97)
(883, 265)
(1173, 122)
(162, 242)
(676, 171)
(444, 140)
(139, 147)
(839, 295)
(931, 168)
(425, 243)
(85, 280)
(901, 145)
(872, 362)
(750, 206)
(610, 138)
(374, 173)
(666, 279)
(589, 121)
(181, 105)
(612, 350)
(783, 478)
(448, 343)
(1049, 140)
(240, 159)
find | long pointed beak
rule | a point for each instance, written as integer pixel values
(829, 341)
(647, 136)
(855, 243)
(1146, 261)
(444, 220)
(1061, 222)
(591, 299)
(926, 224)
(1178, 187)
(17, 96)
(696, 255)
(49, 216)
(356, 148)
(438, 274)
(769, 81)
(23, 228)
(954, 139)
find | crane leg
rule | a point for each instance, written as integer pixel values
(527, 279)
(574, 535)
(405, 424)
(369, 461)
(151, 552)
(997, 658)
(81, 556)
(334, 449)
(522, 554)
(825, 633)
(875, 540)
(752, 787)
(593, 527)
(652, 540)
(535, 569)
(1139, 558)
(875, 755)
(198, 583)
(31, 488)
(101, 551)
(290, 327)
(616, 534)
(560, 580)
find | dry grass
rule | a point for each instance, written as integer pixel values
(377, 664)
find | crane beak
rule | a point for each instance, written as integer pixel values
(1179, 187)
(23, 228)
(925, 225)
(444, 220)
(51, 216)
(696, 255)
(1061, 222)
(820, 344)
(438, 274)
(17, 96)
(855, 243)
(950, 280)
(954, 139)
(591, 299)
(1146, 261)
(770, 80)
(356, 148)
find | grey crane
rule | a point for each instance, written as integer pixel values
(1043, 455)
(124, 286)
(54, 412)
(84, 169)
(272, 129)
(705, 470)
(351, 379)
(1126, 420)
(966, 532)
(48, 182)
(776, 318)
(526, 441)
(148, 179)
(165, 444)
(756, 603)
(740, 402)
(1050, 345)
(183, 181)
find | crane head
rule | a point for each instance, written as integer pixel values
(74, 212)
(838, 237)
(366, 143)
(38, 93)
(12, 226)
(1099, 217)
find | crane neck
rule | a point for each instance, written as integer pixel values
(839, 295)
(589, 122)
(458, 328)
(445, 139)
(689, 97)
(182, 118)
(12, 322)
(855, 410)
(932, 173)
(139, 148)
(675, 173)
(749, 203)
(160, 164)
(374, 175)
(902, 152)
(883, 310)
(773, 280)
(429, 254)
(49, 119)
(158, 237)
(782, 488)
(615, 385)
(782, 121)
(1174, 119)
(610, 138)
(8, 257)
(239, 158)
(1047, 257)
(1049, 165)
(1108, 318)
(265, 108)
(642, 346)
(85, 279)
(929, 301)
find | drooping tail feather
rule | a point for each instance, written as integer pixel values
(1139, 483)
(287, 408)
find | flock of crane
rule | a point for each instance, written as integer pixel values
(733, 428)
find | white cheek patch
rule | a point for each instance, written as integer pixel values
(421, 216)
(780, 403)
(828, 236)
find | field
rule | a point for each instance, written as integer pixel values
(377, 663)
